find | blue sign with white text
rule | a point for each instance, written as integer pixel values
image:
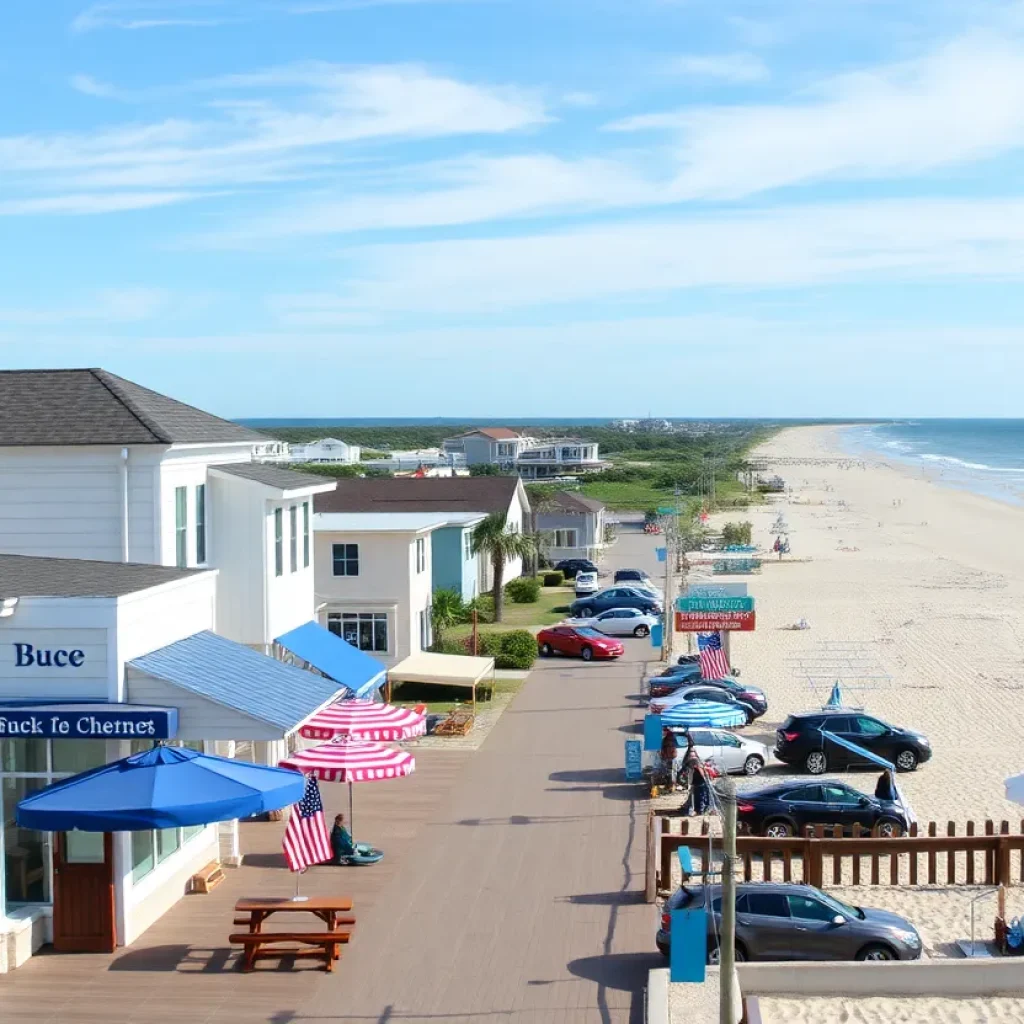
(88, 721)
(634, 760)
(688, 950)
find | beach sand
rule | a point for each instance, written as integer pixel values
(877, 1010)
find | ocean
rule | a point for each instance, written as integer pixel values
(984, 456)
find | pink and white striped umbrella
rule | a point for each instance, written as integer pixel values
(351, 760)
(365, 720)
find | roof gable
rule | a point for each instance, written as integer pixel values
(94, 407)
(494, 433)
(426, 494)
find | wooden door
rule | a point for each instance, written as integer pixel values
(83, 893)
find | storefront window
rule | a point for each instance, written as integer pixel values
(143, 859)
(23, 756)
(74, 756)
(26, 851)
(167, 841)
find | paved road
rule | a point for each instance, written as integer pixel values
(524, 899)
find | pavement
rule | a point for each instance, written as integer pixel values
(512, 889)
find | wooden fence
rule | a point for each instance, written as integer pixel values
(824, 856)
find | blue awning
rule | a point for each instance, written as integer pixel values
(860, 751)
(352, 668)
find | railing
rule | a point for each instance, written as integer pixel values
(824, 856)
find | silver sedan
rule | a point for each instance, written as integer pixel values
(619, 622)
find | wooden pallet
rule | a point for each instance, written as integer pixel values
(458, 723)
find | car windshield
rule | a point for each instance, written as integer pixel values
(840, 907)
(587, 631)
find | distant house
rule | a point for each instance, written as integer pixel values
(412, 460)
(532, 458)
(327, 449)
(571, 526)
(452, 502)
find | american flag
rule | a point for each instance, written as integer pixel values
(712, 658)
(306, 839)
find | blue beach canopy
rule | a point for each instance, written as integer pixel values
(706, 713)
(336, 658)
(860, 751)
(835, 699)
(166, 787)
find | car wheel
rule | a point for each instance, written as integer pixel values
(778, 830)
(906, 761)
(587, 653)
(715, 955)
(816, 763)
(888, 828)
(545, 650)
(641, 631)
(586, 613)
(876, 951)
(662, 948)
(753, 765)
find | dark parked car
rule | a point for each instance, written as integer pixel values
(570, 566)
(714, 694)
(614, 597)
(783, 921)
(632, 576)
(787, 808)
(665, 686)
(800, 741)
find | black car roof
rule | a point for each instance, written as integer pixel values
(797, 782)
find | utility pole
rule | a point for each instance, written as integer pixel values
(727, 939)
(671, 528)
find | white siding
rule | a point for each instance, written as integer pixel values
(290, 596)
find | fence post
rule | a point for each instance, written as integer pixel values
(813, 870)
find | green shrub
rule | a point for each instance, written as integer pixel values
(554, 579)
(452, 645)
(524, 590)
(483, 605)
(489, 644)
(518, 649)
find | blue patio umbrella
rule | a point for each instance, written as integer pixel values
(835, 699)
(166, 787)
(703, 713)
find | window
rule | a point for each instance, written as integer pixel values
(839, 795)
(201, 524)
(293, 543)
(425, 637)
(278, 541)
(181, 527)
(421, 554)
(804, 793)
(809, 909)
(729, 741)
(346, 559)
(767, 904)
(305, 535)
(566, 538)
(366, 630)
(467, 545)
(869, 727)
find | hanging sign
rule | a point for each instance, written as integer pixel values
(716, 590)
(709, 622)
(88, 722)
(688, 949)
(714, 604)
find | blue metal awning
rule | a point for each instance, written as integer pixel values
(860, 751)
(352, 668)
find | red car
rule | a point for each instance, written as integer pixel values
(580, 641)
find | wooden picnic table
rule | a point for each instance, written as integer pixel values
(332, 910)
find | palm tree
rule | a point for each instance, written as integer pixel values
(447, 609)
(500, 543)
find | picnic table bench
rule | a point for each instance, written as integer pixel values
(259, 944)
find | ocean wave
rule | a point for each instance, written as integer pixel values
(974, 465)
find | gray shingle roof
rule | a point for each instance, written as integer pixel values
(273, 476)
(430, 494)
(576, 502)
(31, 576)
(72, 407)
(238, 677)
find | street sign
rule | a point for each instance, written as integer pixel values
(634, 760)
(714, 604)
(662, 553)
(716, 590)
(652, 732)
(710, 622)
(688, 945)
(667, 510)
(657, 634)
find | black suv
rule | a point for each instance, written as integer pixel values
(628, 576)
(570, 566)
(787, 808)
(800, 741)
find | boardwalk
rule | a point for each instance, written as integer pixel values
(512, 890)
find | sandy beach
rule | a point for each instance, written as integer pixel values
(994, 1010)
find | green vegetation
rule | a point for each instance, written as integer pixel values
(337, 471)
(554, 578)
(447, 609)
(500, 543)
(524, 590)
(551, 606)
(737, 533)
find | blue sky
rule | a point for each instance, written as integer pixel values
(520, 207)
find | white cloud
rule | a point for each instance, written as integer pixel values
(92, 87)
(790, 247)
(726, 67)
(962, 102)
(86, 203)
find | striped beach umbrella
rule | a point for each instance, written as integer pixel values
(350, 760)
(706, 713)
(365, 720)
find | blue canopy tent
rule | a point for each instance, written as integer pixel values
(354, 669)
(872, 758)
(166, 787)
(706, 713)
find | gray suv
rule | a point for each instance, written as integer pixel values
(776, 921)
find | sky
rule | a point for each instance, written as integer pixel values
(269, 208)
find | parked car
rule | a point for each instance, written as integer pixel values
(787, 808)
(620, 622)
(731, 753)
(800, 741)
(614, 597)
(752, 695)
(578, 641)
(631, 576)
(666, 685)
(784, 921)
(569, 567)
(709, 693)
(586, 583)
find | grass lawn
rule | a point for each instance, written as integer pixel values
(629, 497)
(439, 700)
(521, 616)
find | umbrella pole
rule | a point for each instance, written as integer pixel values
(351, 817)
